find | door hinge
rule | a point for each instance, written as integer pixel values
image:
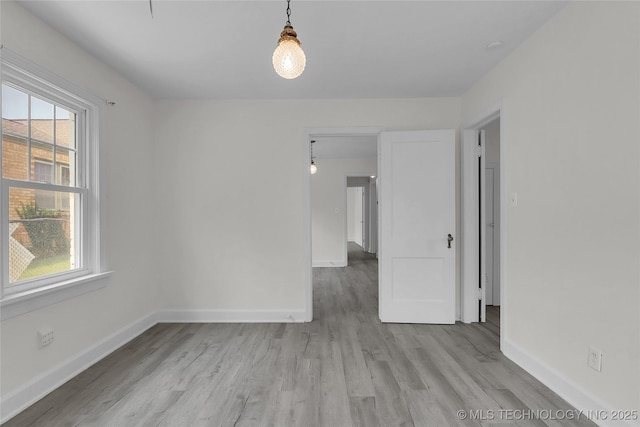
(479, 151)
(480, 294)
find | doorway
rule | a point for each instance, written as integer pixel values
(362, 215)
(483, 217)
(339, 153)
(417, 283)
(492, 212)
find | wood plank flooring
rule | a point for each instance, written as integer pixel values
(343, 369)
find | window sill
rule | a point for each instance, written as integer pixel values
(24, 302)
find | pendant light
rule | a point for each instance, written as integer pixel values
(288, 58)
(313, 168)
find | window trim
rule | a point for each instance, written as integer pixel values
(41, 82)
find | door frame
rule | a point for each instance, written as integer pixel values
(470, 218)
(307, 135)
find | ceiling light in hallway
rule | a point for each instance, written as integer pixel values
(313, 168)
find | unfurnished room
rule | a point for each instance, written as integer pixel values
(320, 213)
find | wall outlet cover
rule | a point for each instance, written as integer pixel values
(595, 359)
(45, 337)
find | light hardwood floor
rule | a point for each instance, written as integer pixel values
(343, 369)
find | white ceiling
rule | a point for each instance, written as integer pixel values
(354, 49)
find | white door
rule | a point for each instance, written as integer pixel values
(417, 225)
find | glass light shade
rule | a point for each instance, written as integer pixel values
(288, 58)
(313, 168)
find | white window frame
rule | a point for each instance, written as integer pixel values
(40, 292)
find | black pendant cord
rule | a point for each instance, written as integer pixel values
(288, 12)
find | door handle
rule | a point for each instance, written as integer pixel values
(449, 240)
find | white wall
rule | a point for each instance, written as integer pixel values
(570, 143)
(130, 294)
(232, 219)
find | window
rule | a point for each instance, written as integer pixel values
(50, 198)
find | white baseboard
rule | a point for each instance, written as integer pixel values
(339, 263)
(599, 412)
(230, 316)
(19, 400)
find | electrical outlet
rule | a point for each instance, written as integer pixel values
(595, 359)
(45, 337)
